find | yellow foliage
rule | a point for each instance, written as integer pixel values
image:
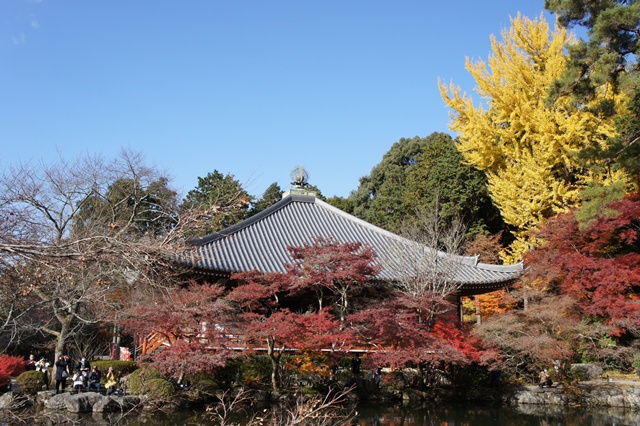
(524, 144)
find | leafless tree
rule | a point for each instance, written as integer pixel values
(77, 237)
(231, 403)
(303, 410)
(431, 261)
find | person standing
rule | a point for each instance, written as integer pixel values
(43, 367)
(62, 372)
(30, 364)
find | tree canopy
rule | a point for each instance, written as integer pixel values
(272, 195)
(589, 309)
(609, 55)
(607, 59)
(77, 236)
(413, 175)
(221, 199)
(598, 265)
(525, 145)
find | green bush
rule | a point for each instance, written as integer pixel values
(160, 389)
(30, 382)
(579, 373)
(636, 362)
(139, 379)
(255, 371)
(200, 388)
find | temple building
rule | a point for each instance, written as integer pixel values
(261, 241)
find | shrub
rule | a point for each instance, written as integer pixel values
(30, 382)
(579, 373)
(10, 366)
(636, 362)
(138, 380)
(200, 388)
(160, 389)
(255, 371)
(229, 375)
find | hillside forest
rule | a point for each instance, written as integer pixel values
(543, 166)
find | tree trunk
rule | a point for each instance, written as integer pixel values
(344, 302)
(275, 362)
(320, 295)
(62, 337)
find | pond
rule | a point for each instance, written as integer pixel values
(383, 415)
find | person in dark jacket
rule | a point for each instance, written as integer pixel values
(62, 372)
(30, 364)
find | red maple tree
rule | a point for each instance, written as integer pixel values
(284, 331)
(598, 265)
(329, 265)
(10, 365)
(190, 323)
(270, 328)
(257, 291)
(401, 339)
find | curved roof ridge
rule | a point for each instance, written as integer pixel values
(364, 223)
(214, 236)
(261, 242)
(467, 260)
(516, 267)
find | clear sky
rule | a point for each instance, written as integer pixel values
(247, 87)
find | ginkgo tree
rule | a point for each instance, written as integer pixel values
(525, 144)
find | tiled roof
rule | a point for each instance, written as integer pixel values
(261, 242)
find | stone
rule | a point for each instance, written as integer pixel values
(587, 371)
(6, 401)
(43, 396)
(106, 404)
(13, 401)
(74, 403)
(597, 394)
(129, 402)
(56, 402)
(82, 402)
(89, 402)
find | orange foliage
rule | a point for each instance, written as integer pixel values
(308, 364)
(496, 302)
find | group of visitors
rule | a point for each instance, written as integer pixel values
(85, 376)
(41, 365)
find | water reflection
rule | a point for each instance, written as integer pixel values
(377, 415)
(463, 415)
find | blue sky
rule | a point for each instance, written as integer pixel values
(251, 88)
